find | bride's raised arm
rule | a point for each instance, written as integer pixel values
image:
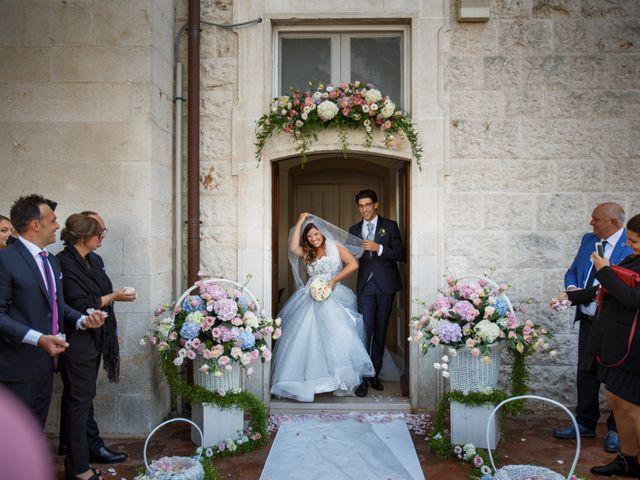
(350, 265)
(294, 244)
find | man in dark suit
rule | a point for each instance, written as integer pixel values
(607, 221)
(32, 309)
(378, 278)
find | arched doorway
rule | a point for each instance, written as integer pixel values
(326, 186)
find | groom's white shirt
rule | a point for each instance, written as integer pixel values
(365, 230)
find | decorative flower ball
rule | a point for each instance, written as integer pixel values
(225, 308)
(327, 110)
(193, 303)
(190, 330)
(320, 290)
(501, 307)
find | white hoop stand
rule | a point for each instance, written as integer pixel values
(217, 424)
(474, 424)
(522, 472)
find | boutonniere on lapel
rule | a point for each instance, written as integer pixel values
(381, 232)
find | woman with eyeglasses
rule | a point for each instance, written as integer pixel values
(86, 287)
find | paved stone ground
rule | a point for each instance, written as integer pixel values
(526, 439)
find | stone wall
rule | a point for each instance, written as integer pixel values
(86, 119)
(545, 123)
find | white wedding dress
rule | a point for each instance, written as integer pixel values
(321, 348)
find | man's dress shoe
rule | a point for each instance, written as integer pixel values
(570, 432)
(612, 442)
(106, 455)
(361, 390)
(622, 466)
(376, 383)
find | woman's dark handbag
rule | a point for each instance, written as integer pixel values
(630, 279)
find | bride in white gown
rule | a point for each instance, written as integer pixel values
(321, 348)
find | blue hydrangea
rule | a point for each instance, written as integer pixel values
(189, 330)
(501, 306)
(244, 303)
(248, 340)
(193, 303)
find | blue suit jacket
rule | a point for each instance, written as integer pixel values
(384, 267)
(579, 269)
(24, 305)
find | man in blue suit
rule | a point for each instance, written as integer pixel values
(607, 221)
(32, 308)
(378, 278)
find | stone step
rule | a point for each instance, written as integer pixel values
(370, 403)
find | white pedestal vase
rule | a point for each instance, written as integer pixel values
(470, 374)
(469, 425)
(217, 424)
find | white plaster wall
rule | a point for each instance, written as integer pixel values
(85, 119)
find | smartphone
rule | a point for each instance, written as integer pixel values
(600, 249)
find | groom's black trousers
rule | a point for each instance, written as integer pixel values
(375, 306)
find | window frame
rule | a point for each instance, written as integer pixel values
(337, 34)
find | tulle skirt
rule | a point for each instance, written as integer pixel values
(321, 348)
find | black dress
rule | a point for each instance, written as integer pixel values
(84, 283)
(610, 333)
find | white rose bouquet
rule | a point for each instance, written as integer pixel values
(320, 290)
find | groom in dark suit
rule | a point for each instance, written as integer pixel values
(378, 278)
(32, 309)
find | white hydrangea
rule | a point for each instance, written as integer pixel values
(373, 95)
(251, 320)
(487, 331)
(388, 109)
(327, 110)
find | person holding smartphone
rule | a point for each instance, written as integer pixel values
(613, 350)
(607, 221)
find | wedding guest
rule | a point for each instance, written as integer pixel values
(86, 287)
(607, 221)
(613, 351)
(98, 451)
(32, 308)
(6, 230)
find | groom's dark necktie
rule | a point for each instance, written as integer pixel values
(51, 290)
(370, 235)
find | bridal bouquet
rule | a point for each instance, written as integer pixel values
(475, 315)
(320, 290)
(220, 325)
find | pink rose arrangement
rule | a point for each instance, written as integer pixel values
(345, 106)
(220, 325)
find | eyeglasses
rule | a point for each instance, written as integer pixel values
(103, 234)
(365, 206)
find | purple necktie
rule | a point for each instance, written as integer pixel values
(48, 273)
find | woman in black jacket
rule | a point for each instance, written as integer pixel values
(86, 286)
(609, 353)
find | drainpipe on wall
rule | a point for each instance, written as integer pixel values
(193, 143)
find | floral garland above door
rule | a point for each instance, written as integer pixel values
(348, 105)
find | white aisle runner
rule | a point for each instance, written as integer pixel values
(347, 449)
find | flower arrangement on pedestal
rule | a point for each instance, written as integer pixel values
(348, 105)
(220, 326)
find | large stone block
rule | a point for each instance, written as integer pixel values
(66, 102)
(32, 141)
(25, 64)
(623, 70)
(583, 175)
(134, 415)
(11, 23)
(555, 8)
(135, 261)
(58, 23)
(474, 39)
(621, 175)
(502, 72)
(106, 142)
(557, 211)
(474, 175)
(120, 22)
(617, 104)
(217, 72)
(569, 104)
(464, 72)
(491, 255)
(474, 104)
(533, 250)
(102, 64)
(524, 103)
(527, 176)
(504, 211)
(524, 37)
(511, 8)
(610, 8)
(481, 139)
(463, 211)
(105, 412)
